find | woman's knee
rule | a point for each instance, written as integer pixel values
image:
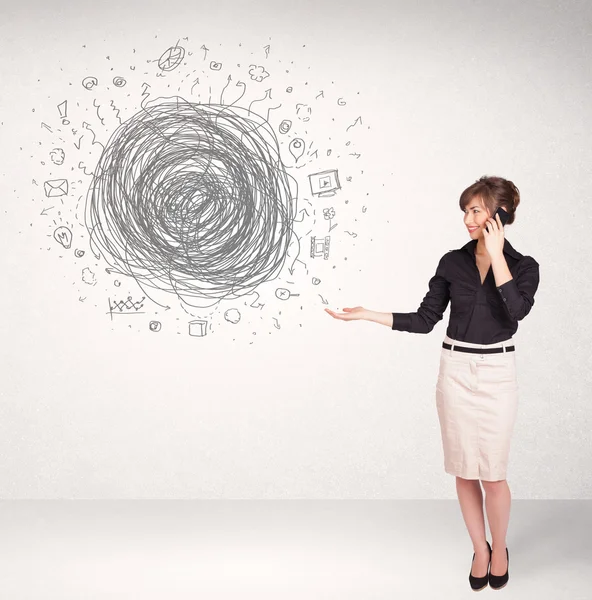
(493, 486)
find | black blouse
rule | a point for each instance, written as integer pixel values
(479, 313)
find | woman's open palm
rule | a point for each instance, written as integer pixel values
(349, 314)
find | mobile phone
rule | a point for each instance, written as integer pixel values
(503, 215)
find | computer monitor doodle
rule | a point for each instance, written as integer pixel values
(325, 183)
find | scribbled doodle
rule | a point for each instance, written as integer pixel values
(198, 328)
(266, 48)
(90, 82)
(320, 247)
(154, 326)
(285, 126)
(341, 102)
(257, 73)
(171, 58)
(63, 110)
(232, 315)
(119, 82)
(329, 214)
(215, 66)
(352, 233)
(88, 276)
(316, 281)
(57, 156)
(193, 200)
(129, 304)
(358, 121)
(277, 323)
(289, 89)
(296, 148)
(78, 253)
(284, 294)
(63, 236)
(303, 111)
(325, 183)
(54, 188)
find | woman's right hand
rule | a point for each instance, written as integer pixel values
(350, 314)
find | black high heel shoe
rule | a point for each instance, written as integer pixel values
(497, 582)
(478, 583)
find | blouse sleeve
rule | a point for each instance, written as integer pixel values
(518, 293)
(432, 307)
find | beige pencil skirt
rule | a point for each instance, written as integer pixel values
(477, 401)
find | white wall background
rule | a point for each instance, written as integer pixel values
(320, 408)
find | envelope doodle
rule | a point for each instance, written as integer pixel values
(56, 187)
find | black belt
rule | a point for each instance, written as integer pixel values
(477, 350)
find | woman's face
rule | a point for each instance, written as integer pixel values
(475, 218)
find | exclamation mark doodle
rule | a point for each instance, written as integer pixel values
(63, 110)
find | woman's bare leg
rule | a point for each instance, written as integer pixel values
(497, 503)
(471, 504)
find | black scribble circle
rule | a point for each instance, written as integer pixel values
(192, 199)
(119, 81)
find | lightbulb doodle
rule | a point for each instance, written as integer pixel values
(199, 178)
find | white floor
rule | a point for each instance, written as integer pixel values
(296, 549)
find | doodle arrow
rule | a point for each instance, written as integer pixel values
(224, 88)
(44, 211)
(244, 90)
(358, 120)
(267, 95)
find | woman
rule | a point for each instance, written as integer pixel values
(490, 287)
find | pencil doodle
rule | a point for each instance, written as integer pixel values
(63, 110)
(320, 247)
(296, 148)
(54, 188)
(325, 183)
(284, 294)
(194, 181)
(356, 122)
(232, 315)
(88, 276)
(303, 111)
(329, 215)
(126, 306)
(90, 82)
(285, 126)
(171, 58)
(192, 199)
(258, 73)
(63, 236)
(57, 156)
(198, 328)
